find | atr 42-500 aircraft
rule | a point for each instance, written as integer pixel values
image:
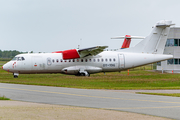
(84, 62)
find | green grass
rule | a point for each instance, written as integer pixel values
(162, 94)
(3, 62)
(5, 59)
(137, 79)
(4, 98)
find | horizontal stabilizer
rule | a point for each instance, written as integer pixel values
(164, 23)
(132, 37)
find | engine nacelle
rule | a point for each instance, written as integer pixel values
(73, 70)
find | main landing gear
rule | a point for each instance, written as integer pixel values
(15, 75)
(83, 74)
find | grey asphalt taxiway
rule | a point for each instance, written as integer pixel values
(162, 106)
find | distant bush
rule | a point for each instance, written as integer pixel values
(5, 59)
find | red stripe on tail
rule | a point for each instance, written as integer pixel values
(126, 42)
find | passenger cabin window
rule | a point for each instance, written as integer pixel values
(69, 60)
(77, 60)
(86, 60)
(81, 60)
(89, 60)
(98, 60)
(114, 59)
(102, 60)
(53, 60)
(94, 60)
(61, 60)
(57, 60)
(106, 59)
(110, 59)
(73, 60)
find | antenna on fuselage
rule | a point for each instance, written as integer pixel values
(80, 43)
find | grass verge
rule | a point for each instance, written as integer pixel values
(137, 79)
(4, 98)
(162, 94)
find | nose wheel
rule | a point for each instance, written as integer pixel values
(15, 75)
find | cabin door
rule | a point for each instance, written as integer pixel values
(121, 61)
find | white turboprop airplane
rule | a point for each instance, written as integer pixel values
(84, 62)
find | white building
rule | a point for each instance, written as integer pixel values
(172, 47)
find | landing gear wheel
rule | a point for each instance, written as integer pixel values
(15, 76)
(82, 74)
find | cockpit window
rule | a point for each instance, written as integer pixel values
(15, 58)
(18, 58)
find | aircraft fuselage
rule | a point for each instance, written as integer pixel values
(106, 61)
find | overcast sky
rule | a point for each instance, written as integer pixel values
(52, 25)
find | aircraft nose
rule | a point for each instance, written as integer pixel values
(5, 67)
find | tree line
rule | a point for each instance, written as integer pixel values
(9, 54)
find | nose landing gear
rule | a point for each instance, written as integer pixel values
(15, 75)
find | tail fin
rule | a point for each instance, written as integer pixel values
(127, 40)
(155, 42)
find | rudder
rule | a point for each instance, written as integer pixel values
(155, 42)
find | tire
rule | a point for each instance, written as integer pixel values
(82, 74)
(15, 76)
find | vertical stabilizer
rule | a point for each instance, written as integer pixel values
(155, 42)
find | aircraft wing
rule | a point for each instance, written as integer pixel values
(91, 51)
(80, 53)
